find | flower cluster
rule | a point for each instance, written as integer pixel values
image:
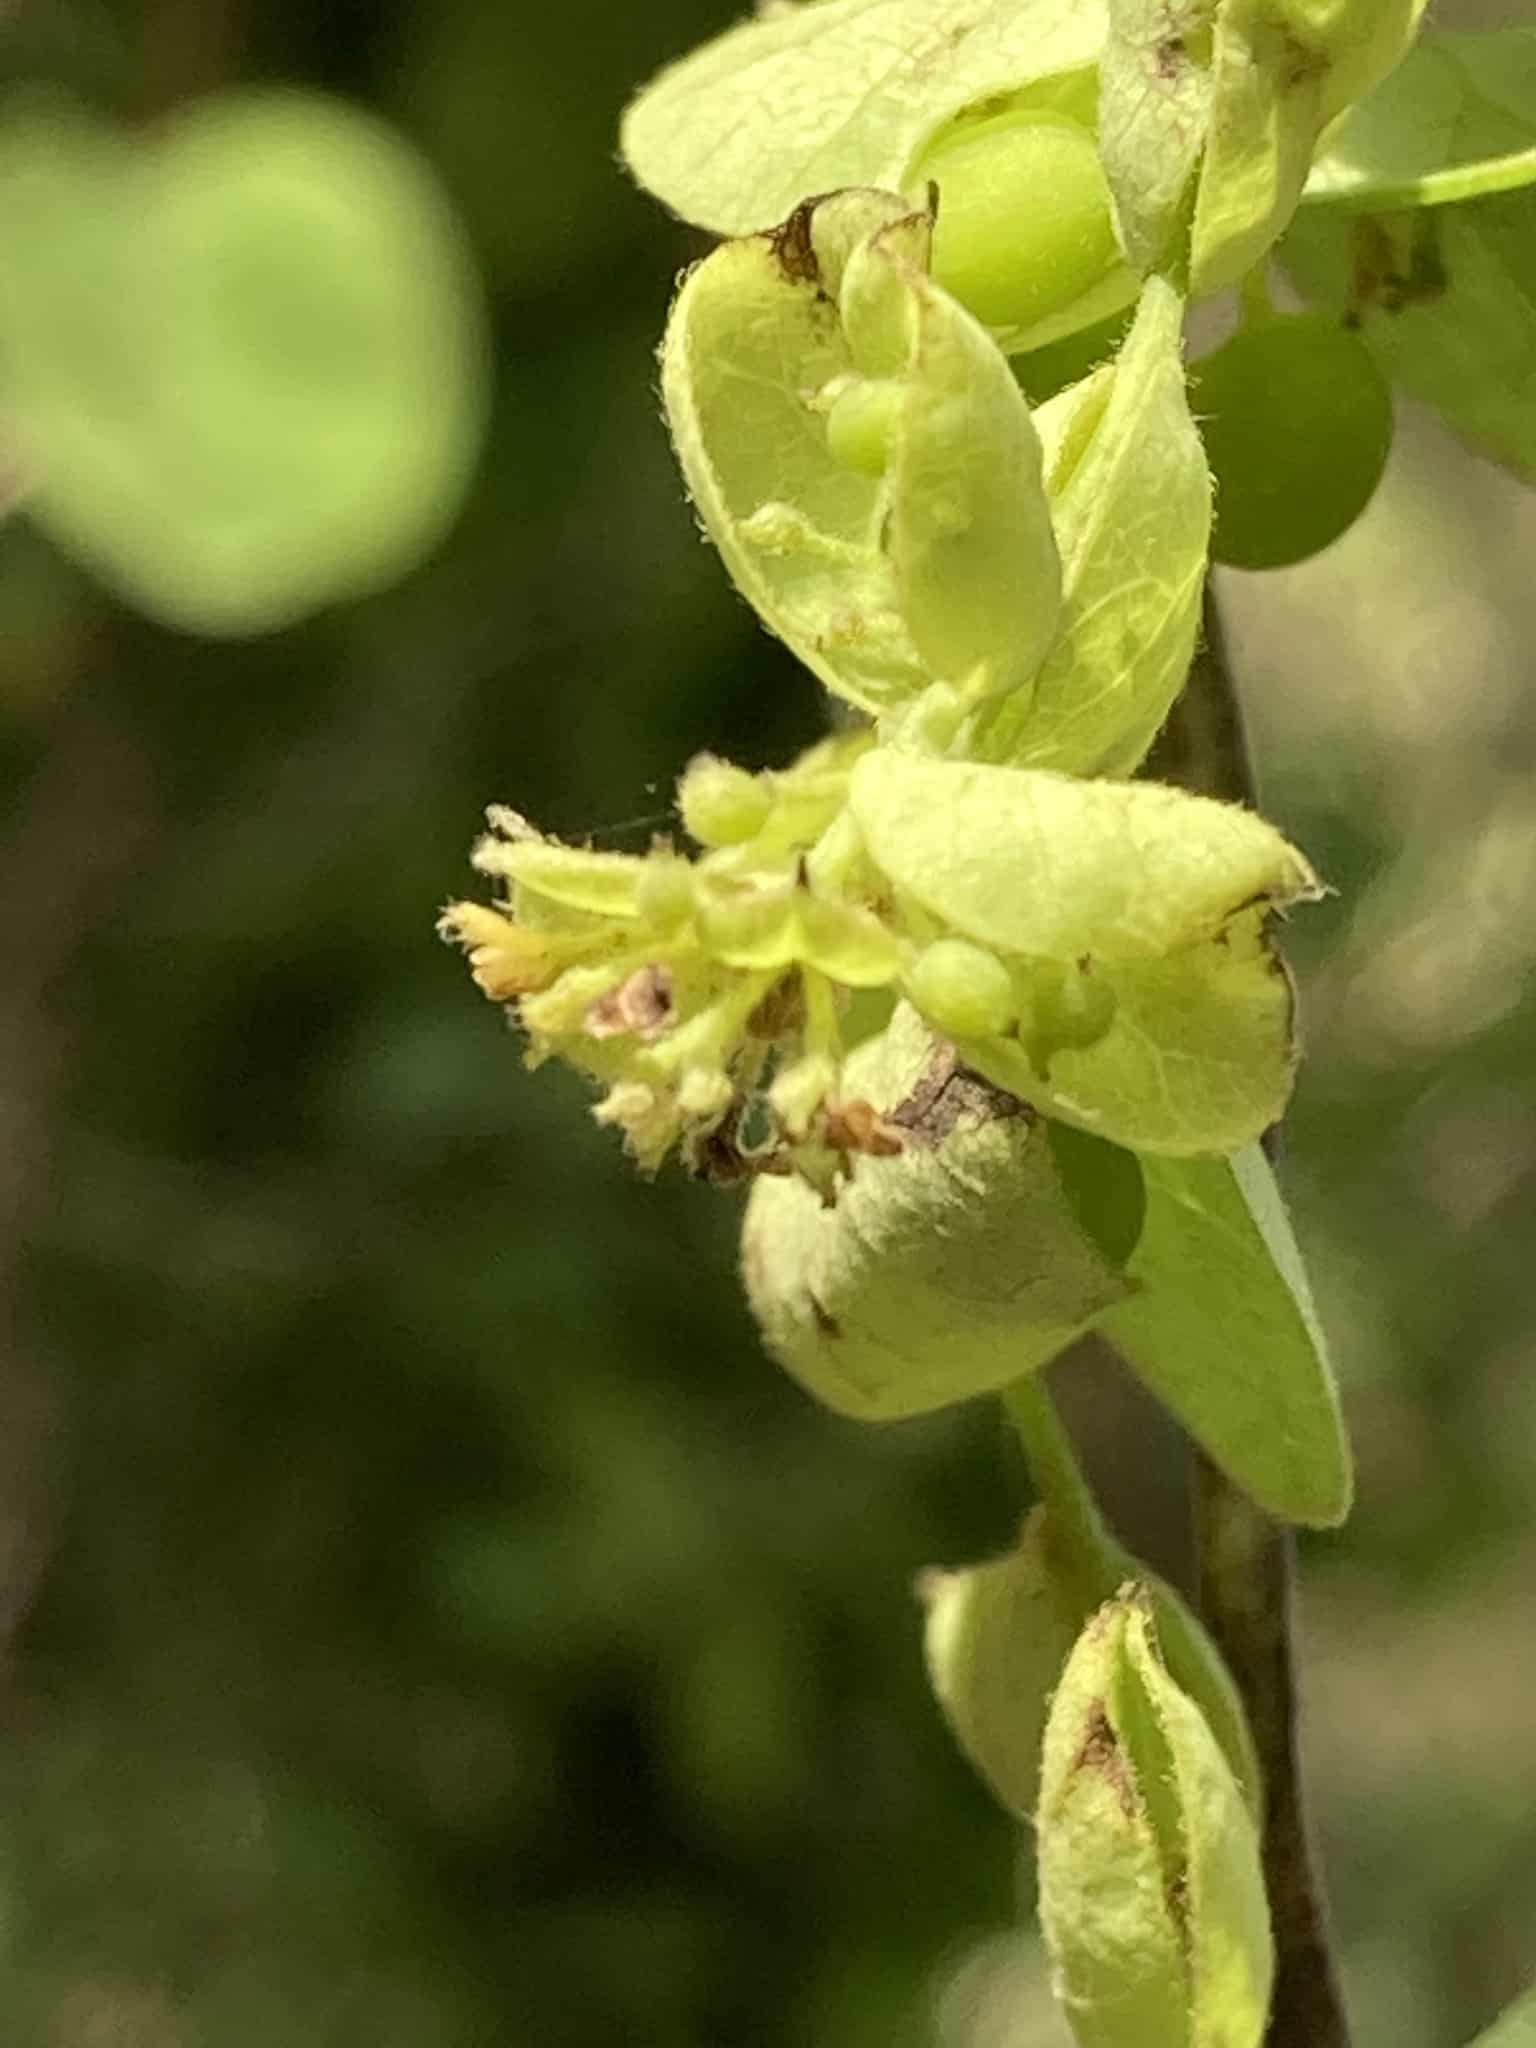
(1008, 598)
(710, 995)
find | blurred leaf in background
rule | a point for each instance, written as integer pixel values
(242, 356)
(432, 1621)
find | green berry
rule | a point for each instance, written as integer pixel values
(721, 804)
(861, 424)
(1297, 420)
(1024, 227)
(964, 990)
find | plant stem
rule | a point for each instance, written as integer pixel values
(1245, 1563)
(1053, 1466)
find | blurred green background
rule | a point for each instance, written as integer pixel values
(431, 1621)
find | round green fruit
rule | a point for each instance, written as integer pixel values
(963, 989)
(1023, 230)
(1297, 420)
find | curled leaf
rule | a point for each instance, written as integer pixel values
(1131, 505)
(1266, 112)
(843, 93)
(1051, 867)
(1280, 70)
(862, 457)
(1154, 107)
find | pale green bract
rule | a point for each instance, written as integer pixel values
(1154, 107)
(939, 1274)
(1456, 120)
(997, 1635)
(1154, 1010)
(1195, 1052)
(1131, 505)
(1151, 1891)
(1053, 867)
(738, 134)
(1266, 111)
(1224, 1331)
(1241, 126)
(243, 358)
(943, 568)
(1449, 309)
(1356, 43)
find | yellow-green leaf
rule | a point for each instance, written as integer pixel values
(807, 100)
(1456, 120)
(1154, 106)
(1223, 1330)
(1196, 1053)
(1448, 308)
(907, 545)
(1132, 512)
(243, 355)
(1052, 867)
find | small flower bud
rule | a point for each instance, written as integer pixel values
(721, 804)
(1151, 1892)
(998, 1634)
(963, 990)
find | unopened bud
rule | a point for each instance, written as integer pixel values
(943, 1270)
(1151, 1891)
(721, 804)
(963, 990)
(998, 1634)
